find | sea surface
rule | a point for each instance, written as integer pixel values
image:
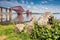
(14, 16)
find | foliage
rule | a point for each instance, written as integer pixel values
(43, 33)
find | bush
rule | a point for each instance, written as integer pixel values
(43, 32)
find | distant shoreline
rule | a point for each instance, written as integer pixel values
(35, 13)
(41, 13)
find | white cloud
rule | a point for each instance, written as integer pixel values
(28, 6)
(43, 2)
(8, 4)
(46, 1)
(26, 2)
(51, 0)
(46, 8)
(23, 1)
(33, 8)
(32, 3)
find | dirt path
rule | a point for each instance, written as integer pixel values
(3, 37)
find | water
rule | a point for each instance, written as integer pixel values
(14, 16)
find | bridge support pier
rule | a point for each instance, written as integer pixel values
(6, 14)
(1, 15)
(10, 14)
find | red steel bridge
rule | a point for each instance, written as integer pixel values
(18, 9)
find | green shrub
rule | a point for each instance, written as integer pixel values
(43, 32)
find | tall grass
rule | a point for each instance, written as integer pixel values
(42, 32)
(11, 35)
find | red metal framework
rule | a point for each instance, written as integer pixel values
(18, 9)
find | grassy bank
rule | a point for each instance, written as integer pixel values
(38, 33)
(8, 30)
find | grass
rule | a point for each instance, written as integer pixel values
(38, 33)
(8, 30)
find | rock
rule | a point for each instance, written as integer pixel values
(19, 27)
(46, 18)
(30, 25)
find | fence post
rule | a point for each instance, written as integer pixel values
(10, 14)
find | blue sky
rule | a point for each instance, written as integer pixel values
(34, 5)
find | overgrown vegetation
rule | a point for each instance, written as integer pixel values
(11, 35)
(43, 32)
(46, 32)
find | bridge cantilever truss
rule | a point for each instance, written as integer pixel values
(18, 9)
